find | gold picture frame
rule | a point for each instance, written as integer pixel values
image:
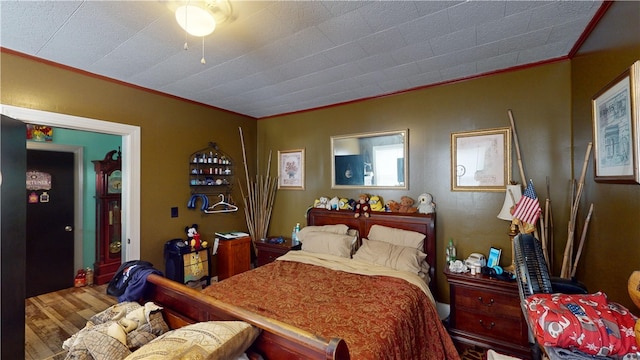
(616, 118)
(481, 160)
(291, 169)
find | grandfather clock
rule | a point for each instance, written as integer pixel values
(108, 219)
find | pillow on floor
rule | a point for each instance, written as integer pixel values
(205, 340)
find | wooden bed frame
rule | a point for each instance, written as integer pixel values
(183, 305)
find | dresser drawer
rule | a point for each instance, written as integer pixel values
(500, 328)
(487, 302)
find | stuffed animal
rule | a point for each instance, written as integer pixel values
(344, 204)
(392, 206)
(334, 203)
(362, 207)
(322, 203)
(376, 203)
(191, 231)
(426, 204)
(406, 205)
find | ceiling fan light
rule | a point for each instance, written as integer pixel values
(195, 20)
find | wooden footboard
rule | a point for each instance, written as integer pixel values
(183, 305)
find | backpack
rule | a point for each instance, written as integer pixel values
(121, 278)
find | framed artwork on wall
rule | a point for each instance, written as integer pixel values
(481, 160)
(291, 169)
(616, 113)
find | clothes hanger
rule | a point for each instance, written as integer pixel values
(216, 208)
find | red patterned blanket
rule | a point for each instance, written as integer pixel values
(379, 317)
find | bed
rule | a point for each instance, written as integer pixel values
(331, 323)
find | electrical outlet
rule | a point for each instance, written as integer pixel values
(174, 212)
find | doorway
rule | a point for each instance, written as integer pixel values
(50, 221)
(130, 165)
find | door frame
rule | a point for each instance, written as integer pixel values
(78, 193)
(130, 163)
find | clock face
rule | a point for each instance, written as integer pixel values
(114, 182)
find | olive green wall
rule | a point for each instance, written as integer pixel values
(612, 249)
(540, 100)
(550, 104)
(171, 129)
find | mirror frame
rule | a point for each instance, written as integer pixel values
(404, 133)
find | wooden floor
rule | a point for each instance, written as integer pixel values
(52, 318)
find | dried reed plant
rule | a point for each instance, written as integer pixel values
(258, 199)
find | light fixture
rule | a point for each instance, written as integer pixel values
(195, 20)
(199, 18)
(512, 196)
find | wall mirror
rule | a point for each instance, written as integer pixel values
(371, 160)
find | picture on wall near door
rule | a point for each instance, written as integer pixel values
(616, 119)
(39, 132)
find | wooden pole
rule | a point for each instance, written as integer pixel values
(566, 263)
(582, 237)
(517, 146)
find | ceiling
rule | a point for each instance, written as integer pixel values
(277, 57)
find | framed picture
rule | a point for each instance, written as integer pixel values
(481, 160)
(291, 169)
(494, 257)
(615, 112)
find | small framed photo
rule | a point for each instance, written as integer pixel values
(494, 257)
(616, 118)
(481, 160)
(291, 169)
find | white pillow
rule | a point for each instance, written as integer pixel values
(328, 243)
(340, 229)
(397, 257)
(395, 236)
(204, 340)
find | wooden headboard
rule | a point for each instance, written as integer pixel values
(422, 223)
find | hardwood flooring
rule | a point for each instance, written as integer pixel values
(52, 318)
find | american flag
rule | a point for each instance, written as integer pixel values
(528, 208)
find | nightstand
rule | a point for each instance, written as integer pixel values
(486, 313)
(234, 257)
(268, 252)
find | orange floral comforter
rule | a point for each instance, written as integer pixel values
(379, 317)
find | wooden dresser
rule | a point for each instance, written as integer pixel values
(268, 252)
(486, 313)
(234, 257)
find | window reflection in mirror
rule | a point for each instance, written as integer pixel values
(372, 160)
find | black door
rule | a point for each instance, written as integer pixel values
(50, 215)
(13, 210)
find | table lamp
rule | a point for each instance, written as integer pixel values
(512, 196)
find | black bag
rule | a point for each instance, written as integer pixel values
(118, 284)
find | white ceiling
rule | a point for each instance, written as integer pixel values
(276, 57)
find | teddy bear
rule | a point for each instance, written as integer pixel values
(362, 206)
(406, 205)
(392, 206)
(426, 204)
(376, 203)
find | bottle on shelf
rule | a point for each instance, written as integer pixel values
(451, 252)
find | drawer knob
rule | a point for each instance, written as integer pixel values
(490, 303)
(491, 325)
